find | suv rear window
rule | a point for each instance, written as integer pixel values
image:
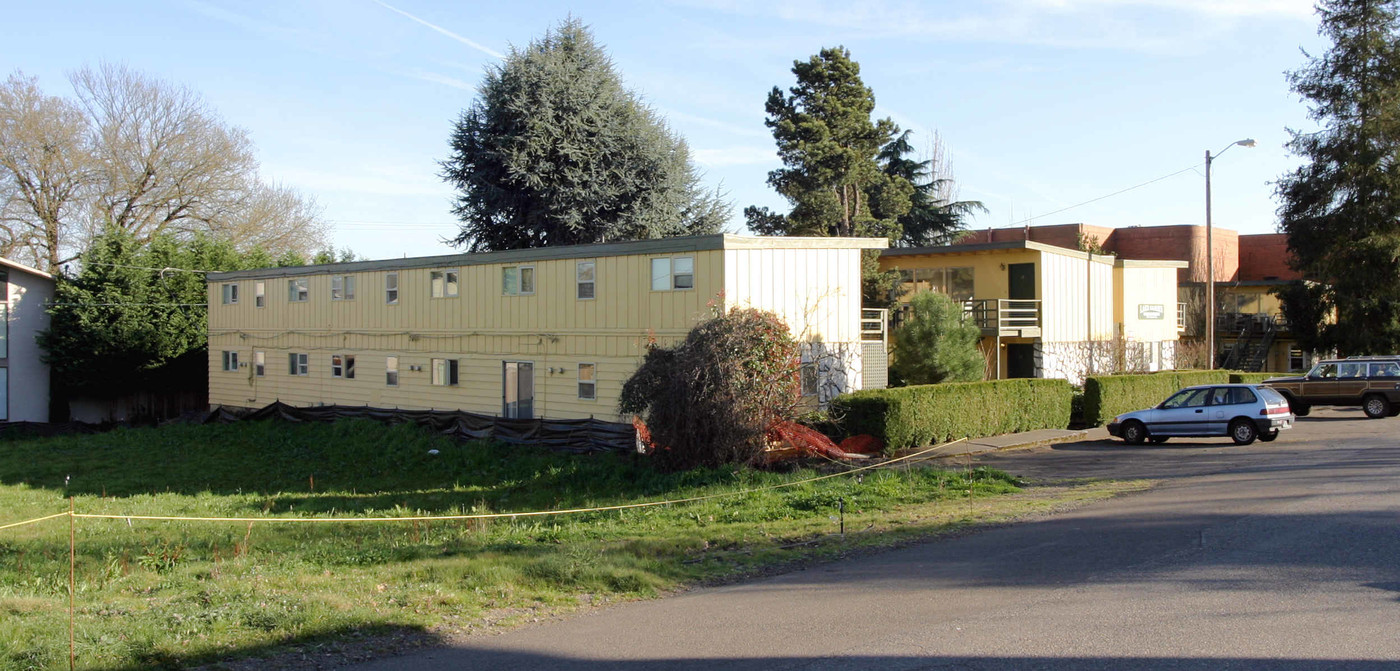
(1385, 369)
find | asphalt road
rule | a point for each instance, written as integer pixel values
(1282, 555)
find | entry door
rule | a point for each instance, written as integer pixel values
(519, 390)
(1021, 360)
(1021, 281)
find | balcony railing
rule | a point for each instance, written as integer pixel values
(1004, 316)
(874, 324)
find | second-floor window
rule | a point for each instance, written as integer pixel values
(673, 273)
(343, 287)
(443, 283)
(587, 279)
(298, 290)
(230, 361)
(260, 294)
(956, 283)
(391, 288)
(230, 293)
(518, 280)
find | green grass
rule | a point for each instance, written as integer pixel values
(173, 594)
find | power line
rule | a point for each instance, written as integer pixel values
(159, 270)
(1115, 193)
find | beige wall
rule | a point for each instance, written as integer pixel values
(1077, 298)
(816, 291)
(1146, 286)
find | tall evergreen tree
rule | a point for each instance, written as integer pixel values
(555, 151)
(1341, 209)
(829, 144)
(934, 216)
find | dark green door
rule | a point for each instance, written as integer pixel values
(1021, 360)
(1021, 278)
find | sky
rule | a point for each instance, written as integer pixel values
(1041, 105)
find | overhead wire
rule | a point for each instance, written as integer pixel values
(1115, 193)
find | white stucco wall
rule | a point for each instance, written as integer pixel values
(27, 377)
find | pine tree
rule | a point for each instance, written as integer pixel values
(934, 216)
(936, 344)
(1341, 209)
(555, 151)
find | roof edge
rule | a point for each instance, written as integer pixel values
(23, 268)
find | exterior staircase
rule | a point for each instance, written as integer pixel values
(1254, 335)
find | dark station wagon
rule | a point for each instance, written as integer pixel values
(1370, 382)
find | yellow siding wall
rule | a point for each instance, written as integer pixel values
(1076, 296)
(1146, 286)
(989, 277)
(480, 327)
(816, 291)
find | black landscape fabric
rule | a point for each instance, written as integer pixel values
(572, 435)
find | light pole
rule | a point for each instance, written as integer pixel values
(1210, 258)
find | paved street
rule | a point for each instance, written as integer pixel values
(1278, 555)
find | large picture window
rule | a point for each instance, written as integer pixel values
(443, 283)
(298, 291)
(673, 273)
(518, 280)
(956, 283)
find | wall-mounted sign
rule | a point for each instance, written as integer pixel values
(1151, 311)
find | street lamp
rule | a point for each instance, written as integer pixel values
(1210, 258)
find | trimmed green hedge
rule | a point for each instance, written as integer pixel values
(1237, 377)
(1106, 396)
(932, 413)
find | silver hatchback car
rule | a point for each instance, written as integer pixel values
(1241, 411)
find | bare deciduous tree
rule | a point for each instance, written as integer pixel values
(45, 163)
(142, 155)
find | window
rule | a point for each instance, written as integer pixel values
(260, 363)
(230, 361)
(1231, 396)
(343, 287)
(518, 280)
(298, 291)
(1324, 371)
(587, 271)
(1386, 369)
(956, 283)
(1295, 359)
(391, 288)
(343, 365)
(673, 273)
(587, 381)
(391, 371)
(1187, 398)
(808, 374)
(1351, 369)
(230, 293)
(260, 294)
(443, 283)
(298, 364)
(445, 372)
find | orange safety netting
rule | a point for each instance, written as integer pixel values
(791, 440)
(862, 444)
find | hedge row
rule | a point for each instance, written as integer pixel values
(929, 414)
(1106, 396)
(1252, 378)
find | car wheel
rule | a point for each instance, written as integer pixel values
(1158, 440)
(1269, 437)
(1376, 406)
(1243, 431)
(1134, 432)
(1298, 407)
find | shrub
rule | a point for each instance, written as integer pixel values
(1106, 396)
(935, 344)
(928, 414)
(1240, 377)
(711, 399)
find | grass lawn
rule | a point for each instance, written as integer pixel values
(174, 594)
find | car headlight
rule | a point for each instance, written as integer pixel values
(1118, 419)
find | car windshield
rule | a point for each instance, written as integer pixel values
(1324, 370)
(1186, 398)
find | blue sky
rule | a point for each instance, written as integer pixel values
(1042, 104)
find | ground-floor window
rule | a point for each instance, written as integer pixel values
(587, 381)
(391, 371)
(260, 363)
(445, 372)
(1297, 360)
(343, 365)
(298, 364)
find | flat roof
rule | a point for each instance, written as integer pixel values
(23, 268)
(1151, 263)
(694, 243)
(991, 247)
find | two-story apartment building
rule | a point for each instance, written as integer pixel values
(1049, 311)
(24, 377)
(551, 332)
